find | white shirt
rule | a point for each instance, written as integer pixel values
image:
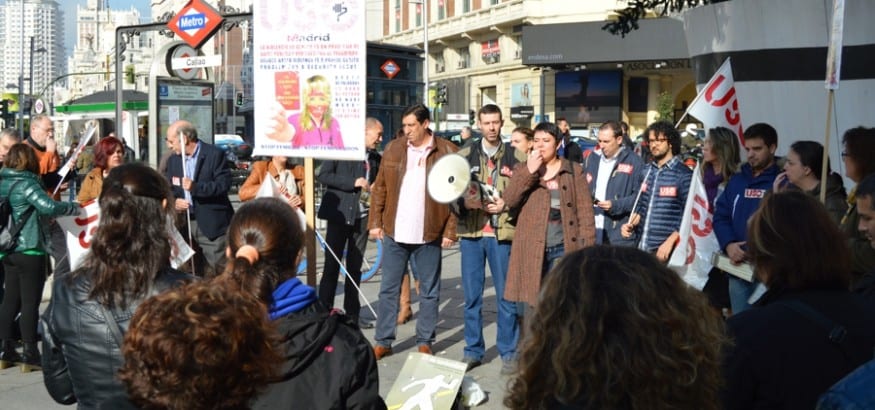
(606, 167)
(410, 215)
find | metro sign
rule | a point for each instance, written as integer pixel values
(195, 23)
(390, 68)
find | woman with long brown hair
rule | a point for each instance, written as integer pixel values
(616, 329)
(26, 265)
(129, 260)
(808, 330)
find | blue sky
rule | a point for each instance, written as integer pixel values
(69, 9)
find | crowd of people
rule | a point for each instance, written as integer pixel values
(576, 244)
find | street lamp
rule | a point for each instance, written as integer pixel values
(21, 85)
(424, 4)
(30, 80)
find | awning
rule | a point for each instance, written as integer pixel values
(580, 43)
(105, 101)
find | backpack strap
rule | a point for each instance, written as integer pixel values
(836, 332)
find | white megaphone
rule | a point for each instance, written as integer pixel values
(449, 178)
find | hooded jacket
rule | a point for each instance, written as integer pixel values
(328, 364)
(738, 202)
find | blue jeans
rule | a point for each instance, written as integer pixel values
(552, 254)
(739, 292)
(426, 259)
(476, 252)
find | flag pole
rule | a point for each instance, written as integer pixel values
(824, 168)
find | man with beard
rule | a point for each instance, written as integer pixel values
(663, 194)
(485, 229)
(740, 199)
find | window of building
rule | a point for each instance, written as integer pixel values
(466, 6)
(464, 57)
(493, 2)
(418, 15)
(397, 15)
(442, 9)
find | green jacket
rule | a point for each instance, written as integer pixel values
(30, 192)
(472, 221)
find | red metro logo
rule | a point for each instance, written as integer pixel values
(195, 23)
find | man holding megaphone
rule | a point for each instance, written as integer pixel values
(413, 226)
(486, 232)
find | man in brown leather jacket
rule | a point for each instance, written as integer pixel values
(412, 225)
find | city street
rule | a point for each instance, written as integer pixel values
(26, 391)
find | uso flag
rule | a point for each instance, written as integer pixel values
(717, 103)
(692, 257)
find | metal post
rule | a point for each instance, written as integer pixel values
(21, 77)
(425, 49)
(30, 79)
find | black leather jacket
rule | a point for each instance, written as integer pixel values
(80, 355)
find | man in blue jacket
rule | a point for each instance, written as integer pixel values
(663, 194)
(200, 179)
(740, 199)
(614, 178)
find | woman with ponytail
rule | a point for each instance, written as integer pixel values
(91, 308)
(327, 361)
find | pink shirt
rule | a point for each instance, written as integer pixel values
(411, 198)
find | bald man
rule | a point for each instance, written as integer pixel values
(200, 178)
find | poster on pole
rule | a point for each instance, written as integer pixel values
(309, 70)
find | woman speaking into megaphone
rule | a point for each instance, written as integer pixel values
(553, 199)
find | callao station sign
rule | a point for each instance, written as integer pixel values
(195, 23)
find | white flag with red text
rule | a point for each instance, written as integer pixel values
(80, 229)
(692, 257)
(717, 102)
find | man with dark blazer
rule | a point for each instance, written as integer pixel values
(345, 207)
(202, 189)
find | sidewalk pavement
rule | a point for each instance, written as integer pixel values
(26, 391)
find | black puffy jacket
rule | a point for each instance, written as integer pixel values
(80, 355)
(329, 364)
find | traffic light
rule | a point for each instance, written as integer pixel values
(7, 117)
(239, 100)
(442, 93)
(130, 74)
(472, 116)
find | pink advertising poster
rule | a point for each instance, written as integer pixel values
(309, 70)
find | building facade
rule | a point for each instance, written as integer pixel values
(22, 20)
(478, 50)
(92, 64)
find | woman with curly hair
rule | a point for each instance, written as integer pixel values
(217, 354)
(326, 361)
(616, 329)
(109, 153)
(129, 261)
